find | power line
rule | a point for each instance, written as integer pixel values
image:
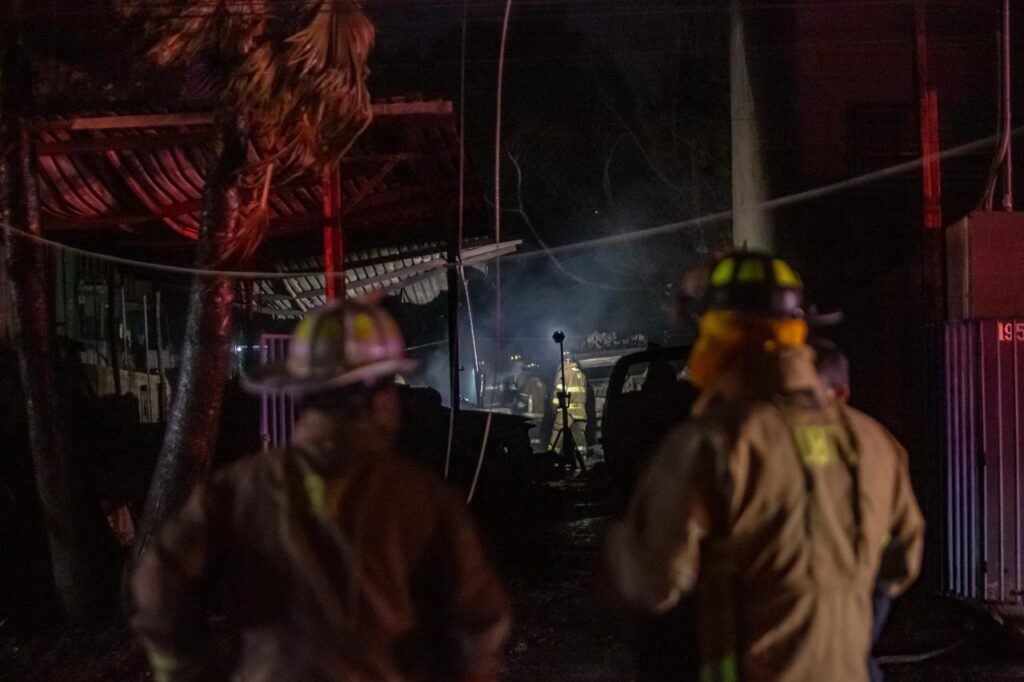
(156, 267)
(796, 198)
(636, 235)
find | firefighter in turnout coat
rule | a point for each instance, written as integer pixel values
(334, 559)
(779, 507)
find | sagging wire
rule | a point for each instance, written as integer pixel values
(469, 316)
(907, 659)
(480, 459)
(645, 233)
(427, 345)
(772, 204)
(497, 168)
(500, 89)
(451, 436)
(1003, 160)
(157, 267)
(497, 240)
(461, 218)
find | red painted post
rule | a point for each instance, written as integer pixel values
(931, 172)
(929, 125)
(933, 240)
(334, 243)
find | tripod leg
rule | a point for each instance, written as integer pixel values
(570, 450)
(579, 437)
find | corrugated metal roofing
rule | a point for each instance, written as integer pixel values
(417, 270)
(114, 171)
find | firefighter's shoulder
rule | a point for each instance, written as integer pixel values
(874, 440)
(688, 443)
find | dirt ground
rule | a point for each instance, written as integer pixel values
(564, 632)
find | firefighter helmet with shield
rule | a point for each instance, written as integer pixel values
(339, 345)
(753, 302)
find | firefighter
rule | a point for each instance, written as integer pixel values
(530, 398)
(335, 558)
(834, 371)
(513, 381)
(575, 388)
(776, 506)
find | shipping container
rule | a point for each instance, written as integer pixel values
(983, 479)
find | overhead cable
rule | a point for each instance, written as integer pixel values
(636, 235)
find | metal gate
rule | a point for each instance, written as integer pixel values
(983, 460)
(277, 411)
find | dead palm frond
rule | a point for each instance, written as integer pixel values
(183, 31)
(297, 69)
(305, 86)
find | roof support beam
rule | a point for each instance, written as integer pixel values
(206, 118)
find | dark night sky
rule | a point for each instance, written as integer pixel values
(550, 60)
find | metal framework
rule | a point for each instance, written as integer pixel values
(115, 176)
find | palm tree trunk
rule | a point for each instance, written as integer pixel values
(189, 441)
(66, 516)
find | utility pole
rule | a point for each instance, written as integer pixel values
(751, 225)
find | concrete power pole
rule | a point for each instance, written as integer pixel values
(750, 226)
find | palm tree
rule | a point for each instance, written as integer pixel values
(69, 522)
(291, 78)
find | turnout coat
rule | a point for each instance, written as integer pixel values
(373, 571)
(780, 509)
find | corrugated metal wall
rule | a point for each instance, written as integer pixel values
(277, 411)
(984, 536)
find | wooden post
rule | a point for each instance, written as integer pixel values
(334, 243)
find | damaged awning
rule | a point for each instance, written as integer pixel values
(417, 272)
(136, 179)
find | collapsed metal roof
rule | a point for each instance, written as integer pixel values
(416, 270)
(134, 181)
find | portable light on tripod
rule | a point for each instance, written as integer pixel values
(569, 447)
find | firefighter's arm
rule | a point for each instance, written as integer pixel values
(477, 613)
(652, 555)
(169, 590)
(901, 557)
